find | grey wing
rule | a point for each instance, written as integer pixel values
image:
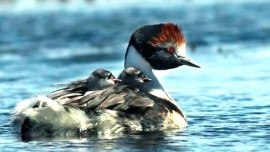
(135, 104)
(120, 98)
(103, 99)
(71, 90)
(125, 99)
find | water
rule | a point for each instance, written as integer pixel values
(227, 101)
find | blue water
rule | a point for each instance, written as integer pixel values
(227, 101)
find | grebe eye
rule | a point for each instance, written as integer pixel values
(139, 74)
(109, 76)
(171, 49)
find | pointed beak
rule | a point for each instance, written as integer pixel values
(186, 61)
(146, 79)
(115, 80)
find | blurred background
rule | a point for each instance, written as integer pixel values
(227, 101)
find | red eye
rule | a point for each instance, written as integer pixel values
(171, 49)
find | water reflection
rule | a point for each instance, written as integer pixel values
(166, 140)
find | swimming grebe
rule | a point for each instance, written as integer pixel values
(151, 47)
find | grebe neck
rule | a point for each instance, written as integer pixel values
(134, 59)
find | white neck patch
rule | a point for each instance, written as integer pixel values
(134, 59)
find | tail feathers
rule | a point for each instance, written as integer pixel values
(72, 122)
(26, 107)
(41, 117)
(49, 122)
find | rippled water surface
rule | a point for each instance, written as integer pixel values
(227, 101)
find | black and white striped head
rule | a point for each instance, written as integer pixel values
(134, 77)
(162, 46)
(101, 79)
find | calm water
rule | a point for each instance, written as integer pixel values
(227, 101)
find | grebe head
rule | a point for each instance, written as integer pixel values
(134, 77)
(162, 46)
(100, 79)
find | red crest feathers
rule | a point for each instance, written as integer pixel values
(169, 33)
